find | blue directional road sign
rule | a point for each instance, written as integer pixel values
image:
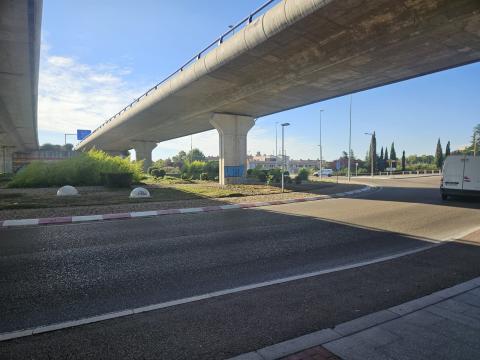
(82, 134)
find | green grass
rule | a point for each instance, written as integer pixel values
(161, 191)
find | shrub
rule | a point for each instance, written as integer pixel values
(158, 173)
(298, 179)
(117, 180)
(249, 172)
(303, 174)
(262, 176)
(81, 170)
(204, 176)
(151, 169)
(194, 169)
(276, 175)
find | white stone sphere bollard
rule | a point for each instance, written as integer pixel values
(67, 190)
(139, 193)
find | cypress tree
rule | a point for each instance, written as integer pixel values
(447, 149)
(393, 154)
(439, 155)
(381, 166)
(385, 159)
(373, 153)
(404, 161)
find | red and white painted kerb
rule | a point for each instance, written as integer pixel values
(142, 214)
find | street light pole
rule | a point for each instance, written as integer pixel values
(276, 141)
(321, 157)
(350, 141)
(283, 155)
(475, 144)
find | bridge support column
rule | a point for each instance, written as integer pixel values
(232, 130)
(143, 151)
(6, 159)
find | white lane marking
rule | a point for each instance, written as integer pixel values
(142, 309)
(87, 218)
(21, 222)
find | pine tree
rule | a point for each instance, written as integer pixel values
(404, 161)
(439, 155)
(447, 150)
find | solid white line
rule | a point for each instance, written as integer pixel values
(127, 312)
(325, 336)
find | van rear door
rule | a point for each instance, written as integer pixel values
(453, 172)
(471, 176)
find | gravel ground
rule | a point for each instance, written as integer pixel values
(324, 189)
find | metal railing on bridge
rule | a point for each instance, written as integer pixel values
(244, 22)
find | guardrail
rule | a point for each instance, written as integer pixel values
(213, 44)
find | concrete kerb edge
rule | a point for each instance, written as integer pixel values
(360, 324)
(140, 214)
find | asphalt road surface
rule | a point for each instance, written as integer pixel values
(59, 273)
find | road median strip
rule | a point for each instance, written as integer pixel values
(141, 214)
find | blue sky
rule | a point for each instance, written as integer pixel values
(99, 55)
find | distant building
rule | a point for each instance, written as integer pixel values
(211, 158)
(265, 162)
(21, 159)
(296, 165)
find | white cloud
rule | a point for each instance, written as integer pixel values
(74, 95)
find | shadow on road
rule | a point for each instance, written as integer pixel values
(423, 195)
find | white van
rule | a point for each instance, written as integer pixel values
(461, 176)
(325, 172)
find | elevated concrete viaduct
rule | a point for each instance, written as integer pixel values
(294, 53)
(20, 23)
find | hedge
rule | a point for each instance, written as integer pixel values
(85, 169)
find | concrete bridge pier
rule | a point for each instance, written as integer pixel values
(232, 130)
(6, 159)
(143, 151)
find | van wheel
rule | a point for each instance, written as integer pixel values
(444, 196)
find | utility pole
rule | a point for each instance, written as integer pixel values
(276, 141)
(191, 148)
(321, 157)
(475, 144)
(283, 155)
(350, 141)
